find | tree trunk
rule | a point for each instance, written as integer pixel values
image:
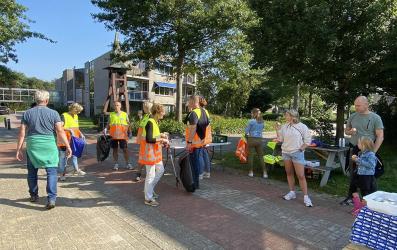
(296, 98)
(179, 67)
(340, 110)
(310, 112)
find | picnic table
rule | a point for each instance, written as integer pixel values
(330, 154)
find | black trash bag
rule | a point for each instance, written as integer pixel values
(186, 173)
(103, 147)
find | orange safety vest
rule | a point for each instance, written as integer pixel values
(118, 124)
(150, 153)
(242, 150)
(71, 123)
(197, 142)
(142, 125)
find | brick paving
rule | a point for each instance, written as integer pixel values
(105, 209)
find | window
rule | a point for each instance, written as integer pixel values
(163, 91)
(163, 69)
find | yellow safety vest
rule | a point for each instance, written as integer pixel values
(197, 142)
(118, 124)
(150, 153)
(70, 123)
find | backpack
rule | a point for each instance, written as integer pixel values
(379, 168)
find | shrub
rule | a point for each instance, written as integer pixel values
(310, 122)
(171, 126)
(271, 116)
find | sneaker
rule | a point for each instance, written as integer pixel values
(265, 175)
(116, 167)
(307, 201)
(34, 198)
(207, 175)
(62, 178)
(156, 196)
(152, 203)
(138, 177)
(291, 195)
(201, 176)
(346, 202)
(251, 174)
(80, 172)
(50, 205)
(129, 166)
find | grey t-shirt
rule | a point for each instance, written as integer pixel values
(40, 120)
(365, 124)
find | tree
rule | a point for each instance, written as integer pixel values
(226, 76)
(14, 29)
(336, 46)
(176, 31)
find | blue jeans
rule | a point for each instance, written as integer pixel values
(51, 181)
(197, 164)
(207, 162)
(62, 162)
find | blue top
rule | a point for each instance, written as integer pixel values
(254, 128)
(366, 163)
(40, 120)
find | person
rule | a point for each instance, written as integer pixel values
(142, 123)
(70, 122)
(362, 123)
(206, 173)
(253, 133)
(118, 129)
(295, 137)
(364, 179)
(150, 153)
(39, 124)
(195, 135)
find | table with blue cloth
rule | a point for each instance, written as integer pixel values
(375, 230)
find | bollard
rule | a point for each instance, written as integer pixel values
(9, 123)
(5, 122)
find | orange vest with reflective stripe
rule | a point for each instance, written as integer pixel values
(197, 142)
(150, 153)
(118, 124)
(70, 123)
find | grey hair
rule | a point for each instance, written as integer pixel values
(41, 96)
(295, 115)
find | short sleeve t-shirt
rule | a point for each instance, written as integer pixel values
(365, 124)
(40, 120)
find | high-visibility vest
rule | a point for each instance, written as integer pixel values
(118, 123)
(70, 123)
(150, 153)
(197, 142)
(242, 150)
(142, 125)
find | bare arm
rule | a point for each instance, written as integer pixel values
(379, 139)
(61, 135)
(21, 138)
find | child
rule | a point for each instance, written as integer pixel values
(365, 180)
(142, 123)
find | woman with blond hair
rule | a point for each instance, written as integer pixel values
(150, 153)
(253, 133)
(70, 122)
(295, 137)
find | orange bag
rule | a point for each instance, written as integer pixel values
(242, 150)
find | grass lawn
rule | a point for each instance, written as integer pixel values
(86, 124)
(337, 184)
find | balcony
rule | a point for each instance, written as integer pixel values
(138, 95)
(137, 72)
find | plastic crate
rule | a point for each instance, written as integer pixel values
(383, 202)
(219, 138)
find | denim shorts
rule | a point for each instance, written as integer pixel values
(296, 157)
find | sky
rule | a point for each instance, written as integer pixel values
(69, 22)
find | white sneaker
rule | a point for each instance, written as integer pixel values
(291, 195)
(251, 174)
(80, 172)
(62, 178)
(207, 175)
(129, 166)
(201, 176)
(307, 201)
(265, 176)
(116, 167)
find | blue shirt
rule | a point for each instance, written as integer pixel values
(254, 128)
(366, 163)
(40, 120)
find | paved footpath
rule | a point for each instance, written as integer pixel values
(105, 209)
